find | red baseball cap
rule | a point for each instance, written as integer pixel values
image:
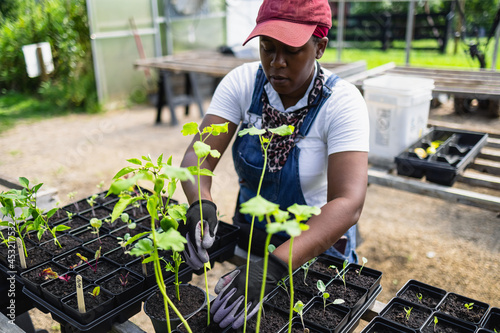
(291, 22)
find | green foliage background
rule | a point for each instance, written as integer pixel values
(62, 23)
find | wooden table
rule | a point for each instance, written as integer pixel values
(463, 85)
(211, 63)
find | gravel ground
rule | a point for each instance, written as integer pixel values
(406, 236)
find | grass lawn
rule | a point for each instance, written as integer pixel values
(425, 58)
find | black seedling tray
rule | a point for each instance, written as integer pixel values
(103, 323)
(456, 150)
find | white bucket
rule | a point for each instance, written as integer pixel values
(398, 107)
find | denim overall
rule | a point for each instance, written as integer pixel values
(283, 186)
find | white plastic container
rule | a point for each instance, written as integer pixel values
(398, 107)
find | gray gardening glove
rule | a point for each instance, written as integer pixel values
(227, 309)
(195, 252)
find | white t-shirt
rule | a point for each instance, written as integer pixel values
(341, 124)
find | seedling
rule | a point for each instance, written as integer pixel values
(124, 279)
(419, 297)
(65, 277)
(435, 322)
(322, 288)
(342, 276)
(408, 312)
(126, 218)
(96, 257)
(95, 292)
(299, 308)
(305, 267)
(96, 224)
(164, 178)
(203, 151)
(123, 242)
(48, 273)
(91, 201)
(69, 214)
(469, 306)
(71, 197)
(364, 260)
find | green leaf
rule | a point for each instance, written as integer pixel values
(170, 240)
(214, 153)
(180, 173)
(159, 183)
(136, 237)
(159, 160)
(219, 128)
(189, 129)
(51, 212)
(152, 206)
(258, 206)
(95, 223)
(24, 182)
(148, 259)
(303, 212)
(282, 130)
(142, 247)
(60, 227)
(123, 203)
(251, 131)
(201, 149)
(298, 307)
(177, 212)
(321, 286)
(135, 161)
(124, 172)
(146, 158)
(172, 186)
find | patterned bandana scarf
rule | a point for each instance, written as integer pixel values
(281, 146)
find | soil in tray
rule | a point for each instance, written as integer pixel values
(99, 213)
(360, 280)
(61, 288)
(34, 275)
(430, 300)
(106, 243)
(309, 285)
(70, 260)
(76, 222)
(35, 257)
(46, 236)
(120, 257)
(104, 267)
(443, 327)
(326, 317)
(67, 244)
(120, 232)
(416, 319)
(137, 212)
(120, 282)
(322, 265)
(454, 305)
(78, 206)
(350, 295)
(191, 299)
(271, 320)
(282, 299)
(91, 302)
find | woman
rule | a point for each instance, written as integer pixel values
(323, 163)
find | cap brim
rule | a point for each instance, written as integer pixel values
(289, 33)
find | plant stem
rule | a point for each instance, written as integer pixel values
(206, 288)
(161, 284)
(291, 285)
(251, 235)
(263, 287)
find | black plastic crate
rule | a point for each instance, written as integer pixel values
(454, 150)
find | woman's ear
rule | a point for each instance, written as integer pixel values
(321, 47)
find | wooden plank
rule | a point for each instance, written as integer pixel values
(486, 166)
(373, 311)
(383, 178)
(489, 154)
(479, 180)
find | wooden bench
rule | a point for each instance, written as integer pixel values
(214, 64)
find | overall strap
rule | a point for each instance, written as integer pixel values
(260, 81)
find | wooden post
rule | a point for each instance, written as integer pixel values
(340, 28)
(43, 70)
(409, 29)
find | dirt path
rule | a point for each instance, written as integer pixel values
(406, 236)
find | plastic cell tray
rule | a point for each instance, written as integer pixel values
(456, 150)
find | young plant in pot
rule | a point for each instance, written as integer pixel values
(202, 151)
(31, 217)
(164, 178)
